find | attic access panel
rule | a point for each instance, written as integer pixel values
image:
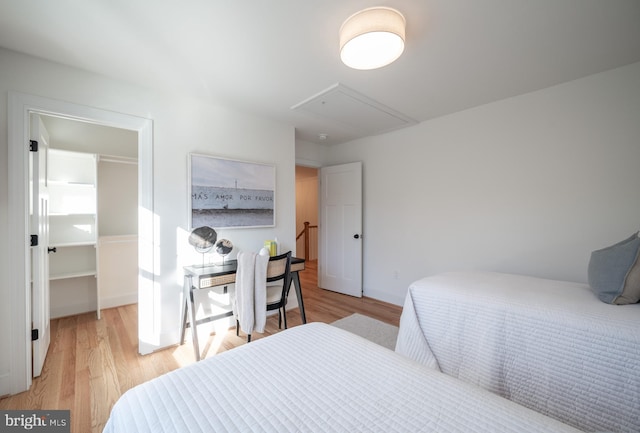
(355, 110)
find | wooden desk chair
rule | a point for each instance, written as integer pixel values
(278, 269)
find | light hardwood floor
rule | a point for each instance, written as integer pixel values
(91, 362)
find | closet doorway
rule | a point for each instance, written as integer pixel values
(93, 196)
(307, 214)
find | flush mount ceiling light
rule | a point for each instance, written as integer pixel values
(372, 38)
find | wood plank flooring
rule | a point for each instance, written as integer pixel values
(91, 362)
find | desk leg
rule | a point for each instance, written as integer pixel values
(185, 310)
(185, 313)
(191, 309)
(296, 283)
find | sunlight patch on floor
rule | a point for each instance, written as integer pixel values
(210, 339)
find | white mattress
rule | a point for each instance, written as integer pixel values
(316, 378)
(548, 345)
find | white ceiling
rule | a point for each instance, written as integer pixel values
(266, 56)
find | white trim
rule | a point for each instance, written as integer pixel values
(20, 359)
(19, 108)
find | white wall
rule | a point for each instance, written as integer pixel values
(528, 185)
(180, 125)
(117, 198)
(310, 154)
(117, 251)
(117, 260)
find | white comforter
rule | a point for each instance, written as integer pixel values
(549, 345)
(316, 378)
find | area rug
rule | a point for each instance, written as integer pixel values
(373, 330)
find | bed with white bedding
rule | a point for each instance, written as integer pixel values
(316, 378)
(549, 345)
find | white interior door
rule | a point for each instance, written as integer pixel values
(40, 314)
(340, 263)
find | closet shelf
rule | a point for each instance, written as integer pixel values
(73, 231)
(68, 214)
(55, 183)
(88, 273)
(72, 244)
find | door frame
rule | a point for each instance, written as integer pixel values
(317, 165)
(20, 106)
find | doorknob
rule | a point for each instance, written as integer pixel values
(356, 236)
(52, 250)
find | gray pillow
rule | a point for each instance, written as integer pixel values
(609, 268)
(631, 290)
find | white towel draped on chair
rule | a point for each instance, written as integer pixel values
(250, 301)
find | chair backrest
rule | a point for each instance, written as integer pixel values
(279, 268)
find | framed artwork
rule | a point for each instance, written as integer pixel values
(227, 193)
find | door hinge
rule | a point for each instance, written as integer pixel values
(33, 145)
(35, 334)
(34, 240)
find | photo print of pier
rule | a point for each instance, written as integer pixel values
(226, 193)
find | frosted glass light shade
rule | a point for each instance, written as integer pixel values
(372, 38)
